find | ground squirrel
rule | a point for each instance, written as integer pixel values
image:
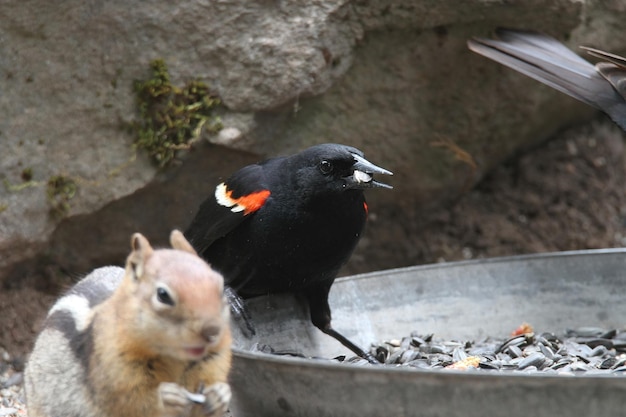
(150, 340)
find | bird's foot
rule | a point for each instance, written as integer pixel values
(350, 345)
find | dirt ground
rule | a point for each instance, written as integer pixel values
(567, 194)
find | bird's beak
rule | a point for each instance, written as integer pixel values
(362, 177)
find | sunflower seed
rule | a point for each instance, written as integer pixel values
(584, 350)
(536, 360)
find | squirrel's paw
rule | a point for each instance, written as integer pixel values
(174, 400)
(217, 399)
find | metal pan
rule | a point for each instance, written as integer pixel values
(461, 300)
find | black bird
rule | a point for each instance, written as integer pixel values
(545, 59)
(288, 224)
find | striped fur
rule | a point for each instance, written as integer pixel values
(110, 343)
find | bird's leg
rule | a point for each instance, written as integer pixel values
(321, 318)
(239, 311)
(350, 345)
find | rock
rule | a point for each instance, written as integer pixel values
(392, 78)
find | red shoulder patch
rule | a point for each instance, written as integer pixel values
(367, 210)
(253, 202)
(248, 203)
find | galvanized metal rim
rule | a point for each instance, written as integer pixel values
(584, 378)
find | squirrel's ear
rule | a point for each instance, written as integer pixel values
(178, 241)
(140, 254)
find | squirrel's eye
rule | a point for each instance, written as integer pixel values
(326, 167)
(164, 296)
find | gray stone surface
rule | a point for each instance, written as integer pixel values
(392, 78)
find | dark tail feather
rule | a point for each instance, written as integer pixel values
(546, 60)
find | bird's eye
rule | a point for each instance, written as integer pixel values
(326, 167)
(164, 297)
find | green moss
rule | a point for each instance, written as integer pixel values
(19, 187)
(59, 191)
(172, 118)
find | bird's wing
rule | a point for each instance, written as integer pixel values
(232, 202)
(550, 62)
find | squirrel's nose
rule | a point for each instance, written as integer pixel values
(211, 333)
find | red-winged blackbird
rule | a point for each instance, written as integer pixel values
(543, 58)
(288, 224)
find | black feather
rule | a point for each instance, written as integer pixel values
(298, 239)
